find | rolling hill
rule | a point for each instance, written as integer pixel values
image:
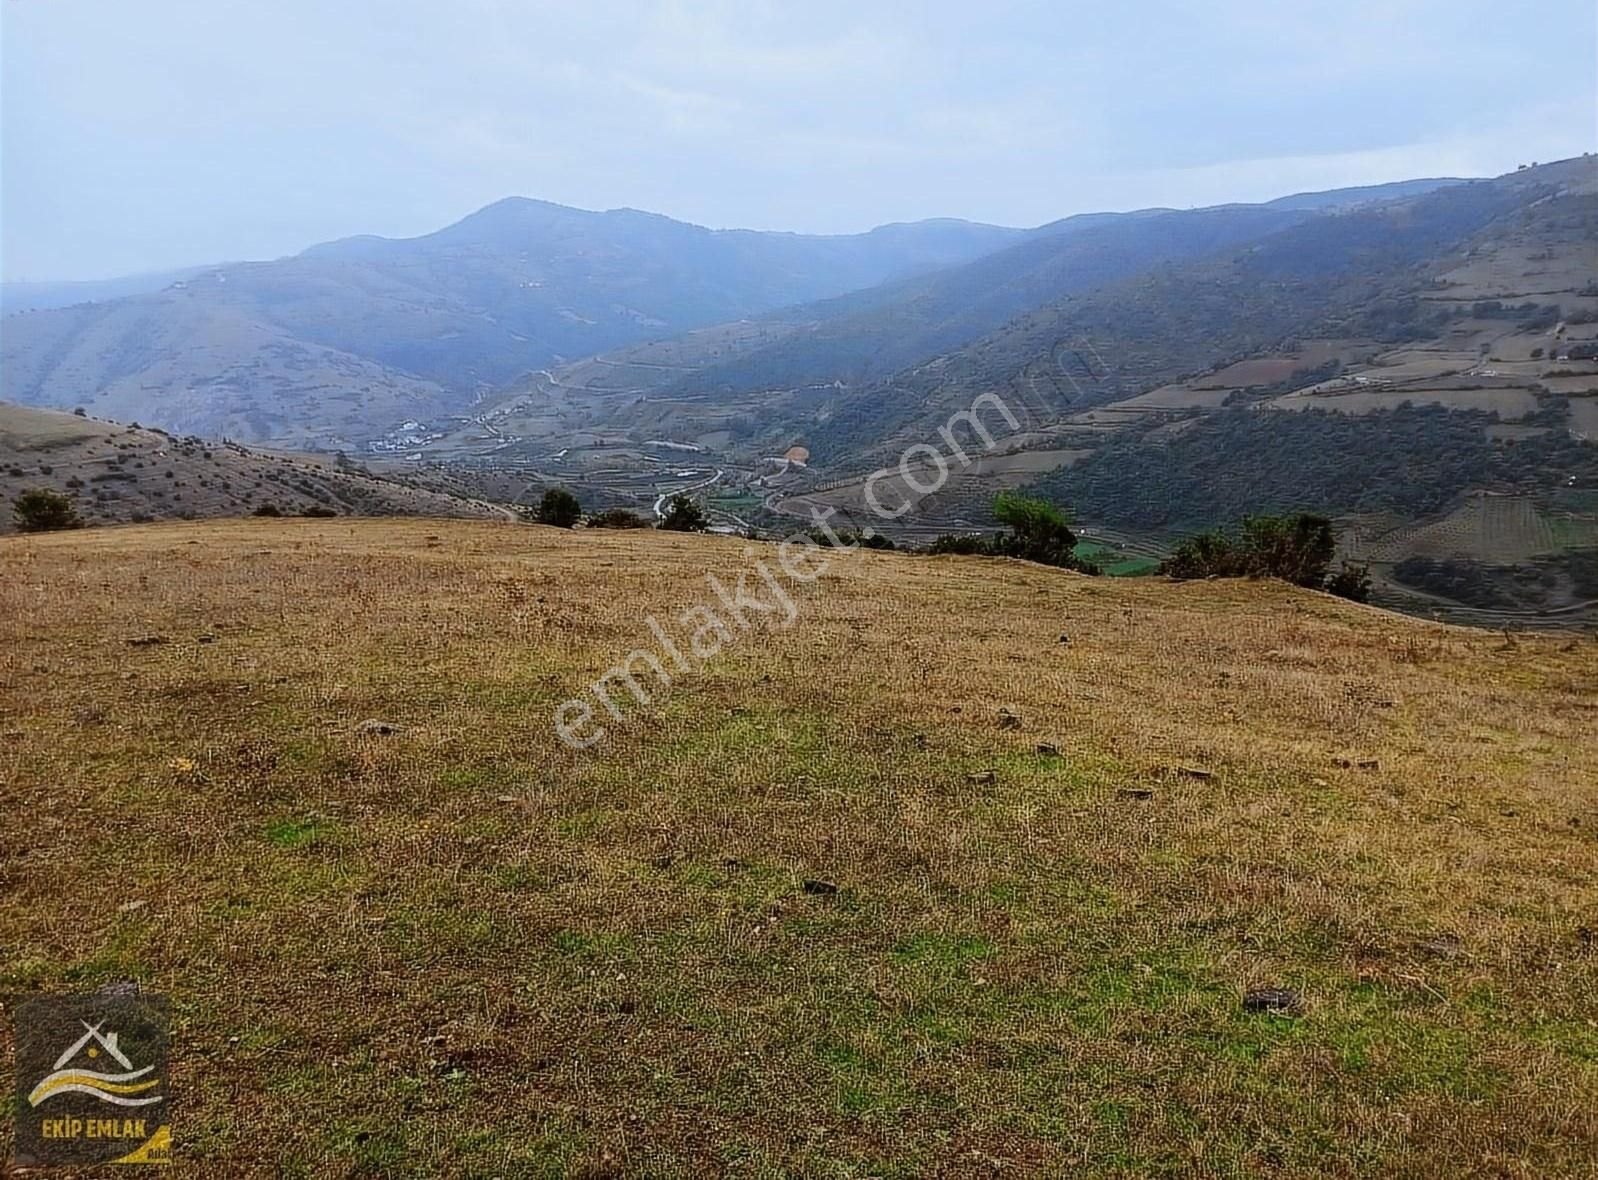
(117, 474)
(348, 339)
(977, 869)
(1389, 365)
(853, 340)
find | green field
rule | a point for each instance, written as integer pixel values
(1116, 563)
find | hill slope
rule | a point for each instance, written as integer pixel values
(486, 954)
(785, 364)
(117, 473)
(347, 339)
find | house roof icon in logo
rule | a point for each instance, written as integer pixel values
(123, 1089)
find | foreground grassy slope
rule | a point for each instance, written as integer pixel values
(462, 949)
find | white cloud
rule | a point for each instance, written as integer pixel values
(172, 131)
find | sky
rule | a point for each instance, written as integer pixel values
(138, 136)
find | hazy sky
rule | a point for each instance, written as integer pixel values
(143, 134)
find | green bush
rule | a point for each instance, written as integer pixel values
(961, 545)
(1296, 548)
(683, 516)
(617, 518)
(40, 510)
(1352, 582)
(850, 539)
(559, 508)
(1038, 531)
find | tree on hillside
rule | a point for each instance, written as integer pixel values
(1037, 531)
(1296, 548)
(40, 510)
(559, 508)
(683, 516)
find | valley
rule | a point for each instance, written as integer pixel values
(1441, 338)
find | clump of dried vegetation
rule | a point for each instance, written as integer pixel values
(914, 887)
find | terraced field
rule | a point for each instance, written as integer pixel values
(1487, 528)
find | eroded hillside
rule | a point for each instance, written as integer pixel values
(117, 474)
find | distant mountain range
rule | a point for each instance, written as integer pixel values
(349, 338)
(1418, 360)
(344, 341)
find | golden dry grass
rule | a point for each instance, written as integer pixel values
(462, 949)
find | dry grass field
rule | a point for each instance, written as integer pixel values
(459, 948)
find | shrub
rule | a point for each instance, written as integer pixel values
(850, 538)
(617, 518)
(1207, 555)
(683, 516)
(1352, 582)
(1296, 548)
(320, 510)
(268, 510)
(40, 510)
(559, 508)
(961, 544)
(1038, 531)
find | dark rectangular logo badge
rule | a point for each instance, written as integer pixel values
(92, 1081)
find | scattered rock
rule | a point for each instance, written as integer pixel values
(205, 639)
(1065, 639)
(1197, 772)
(1138, 793)
(983, 778)
(1442, 946)
(817, 888)
(1359, 763)
(664, 861)
(146, 640)
(1009, 720)
(1277, 1000)
(131, 907)
(381, 728)
(1048, 749)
